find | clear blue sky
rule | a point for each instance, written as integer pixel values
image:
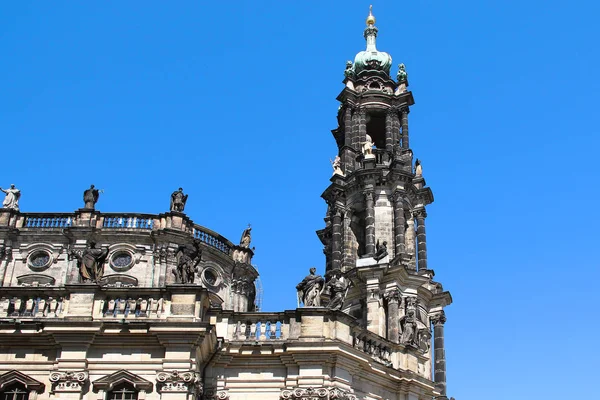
(234, 101)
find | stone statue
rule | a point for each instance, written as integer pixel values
(337, 289)
(246, 237)
(90, 262)
(309, 290)
(11, 201)
(424, 339)
(336, 164)
(418, 168)
(90, 198)
(188, 257)
(402, 76)
(178, 200)
(348, 72)
(381, 251)
(368, 146)
(408, 325)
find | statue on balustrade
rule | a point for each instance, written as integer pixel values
(418, 168)
(178, 200)
(368, 146)
(90, 262)
(337, 289)
(337, 166)
(309, 290)
(90, 198)
(402, 75)
(408, 326)
(246, 237)
(381, 251)
(11, 201)
(188, 257)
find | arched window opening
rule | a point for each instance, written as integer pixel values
(376, 129)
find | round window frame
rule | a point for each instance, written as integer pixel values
(39, 267)
(217, 275)
(118, 268)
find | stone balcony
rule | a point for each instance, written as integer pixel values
(94, 303)
(294, 330)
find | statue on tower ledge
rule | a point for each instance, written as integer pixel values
(337, 166)
(368, 147)
(178, 200)
(309, 290)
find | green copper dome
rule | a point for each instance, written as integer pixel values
(371, 59)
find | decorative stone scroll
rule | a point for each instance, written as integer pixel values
(316, 394)
(176, 381)
(68, 381)
(216, 395)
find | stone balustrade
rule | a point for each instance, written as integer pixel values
(212, 239)
(121, 221)
(99, 303)
(32, 305)
(134, 307)
(115, 221)
(374, 345)
(47, 221)
(310, 324)
(261, 327)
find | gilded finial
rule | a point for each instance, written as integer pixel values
(370, 18)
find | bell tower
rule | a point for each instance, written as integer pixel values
(375, 234)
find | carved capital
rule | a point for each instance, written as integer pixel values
(392, 296)
(397, 196)
(420, 213)
(68, 381)
(368, 195)
(176, 381)
(438, 318)
(405, 110)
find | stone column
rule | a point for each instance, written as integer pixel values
(389, 130)
(410, 240)
(393, 298)
(438, 319)
(348, 126)
(347, 155)
(421, 239)
(362, 128)
(399, 223)
(370, 223)
(336, 239)
(405, 111)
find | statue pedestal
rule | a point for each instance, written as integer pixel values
(6, 217)
(81, 300)
(369, 161)
(183, 300)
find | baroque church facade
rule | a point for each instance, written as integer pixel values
(128, 306)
